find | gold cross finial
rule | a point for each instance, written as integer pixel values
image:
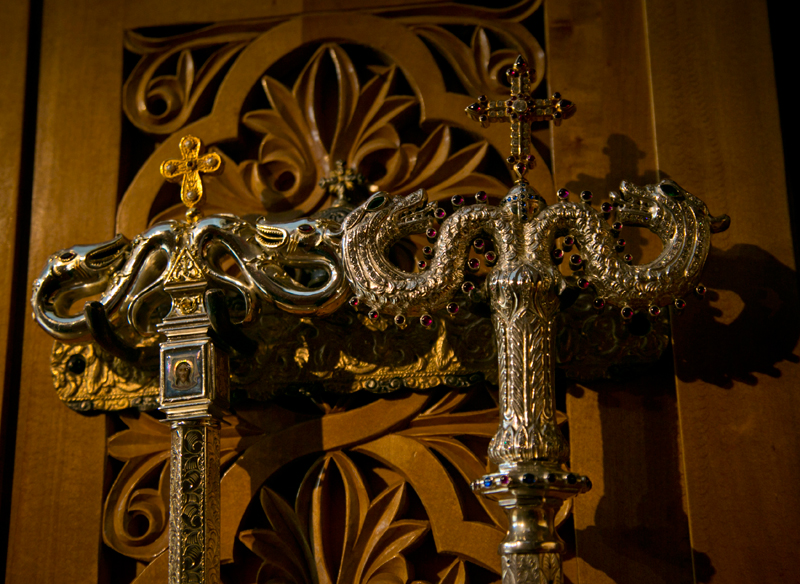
(521, 109)
(187, 172)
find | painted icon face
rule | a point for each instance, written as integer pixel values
(183, 372)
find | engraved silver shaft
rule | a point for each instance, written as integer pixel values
(193, 395)
(524, 303)
(194, 502)
(529, 447)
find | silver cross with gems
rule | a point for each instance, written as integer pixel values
(521, 110)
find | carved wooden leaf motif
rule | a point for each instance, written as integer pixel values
(163, 104)
(371, 551)
(299, 147)
(301, 140)
(480, 69)
(160, 103)
(344, 105)
(355, 534)
(285, 550)
(456, 574)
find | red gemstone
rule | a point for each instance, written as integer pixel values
(440, 213)
(575, 260)
(374, 314)
(467, 287)
(457, 200)
(491, 257)
(599, 303)
(422, 264)
(654, 310)
(400, 319)
(481, 197)
(426, 320)
(627, 312)
(680, 303)
(478, 244)
(569, 241)
(505, 480)
(305, 228)
(353, 301)
(427, 251)
(558, 254)
(606, 207)
(452, 308)
(473, 264)
(431, 233)
(583, 283)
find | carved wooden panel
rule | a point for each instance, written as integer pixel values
(311, 112)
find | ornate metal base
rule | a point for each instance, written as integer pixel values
(531, 495)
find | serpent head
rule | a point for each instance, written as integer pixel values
(656, 206)
(71, 274)
(298, 266)
(299, 237)
(396, 216)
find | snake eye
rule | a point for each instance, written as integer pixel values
(669, 190)
(376, 202)
(66, 256)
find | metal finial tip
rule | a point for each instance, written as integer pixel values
(566, 109)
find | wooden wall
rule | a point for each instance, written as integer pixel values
(695, 466)
(686, 90)
(14, 186)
